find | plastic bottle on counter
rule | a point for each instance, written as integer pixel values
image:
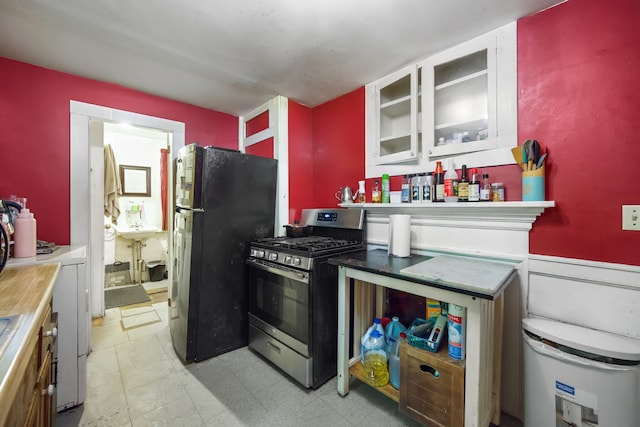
(24, 235)
(451, 184)
(377, 326)
(375, 360)
(457, 326)
(386, 190)
(392, 332)
(394, 361)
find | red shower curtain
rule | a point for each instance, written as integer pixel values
(163, 186)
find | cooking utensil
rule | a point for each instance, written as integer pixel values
(517, 155)
(297, 230)
(541, 161)
(345, 195)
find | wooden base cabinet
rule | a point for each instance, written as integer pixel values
(431, 386)
(34, 403)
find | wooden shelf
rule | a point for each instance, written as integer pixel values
(357, 370)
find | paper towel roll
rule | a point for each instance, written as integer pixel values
(400, 235)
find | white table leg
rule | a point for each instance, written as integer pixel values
(344, 320)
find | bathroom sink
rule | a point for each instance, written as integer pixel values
(8, 327)
(137, 233)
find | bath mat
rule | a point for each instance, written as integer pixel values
(125, 296)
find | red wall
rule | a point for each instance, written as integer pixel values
(34, 114)
(301, 160)
(338, 147)
(579, 93)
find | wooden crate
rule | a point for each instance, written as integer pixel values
(431, 386)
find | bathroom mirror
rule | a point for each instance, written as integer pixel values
(135, 180)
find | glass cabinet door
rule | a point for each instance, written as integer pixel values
(397, 121)
(461, 102)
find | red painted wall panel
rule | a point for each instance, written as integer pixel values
(257, 124)
(301, 159)
(338, 146)
(579, 93)
(262, 148)
(34, 114)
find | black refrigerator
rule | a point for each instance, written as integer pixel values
(224, 199)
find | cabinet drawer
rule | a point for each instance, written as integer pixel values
(431, 386)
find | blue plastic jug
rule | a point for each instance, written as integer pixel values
(392, 332)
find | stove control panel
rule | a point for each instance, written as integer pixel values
(281, 258)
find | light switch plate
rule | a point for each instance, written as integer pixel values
(631, 217)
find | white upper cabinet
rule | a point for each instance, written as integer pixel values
(396, 104)
(460, 103)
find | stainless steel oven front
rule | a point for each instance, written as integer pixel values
(279, 317)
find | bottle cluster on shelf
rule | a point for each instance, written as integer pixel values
(440, 186)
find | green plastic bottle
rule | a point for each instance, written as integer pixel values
(386, 194)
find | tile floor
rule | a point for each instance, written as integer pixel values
(135, 379)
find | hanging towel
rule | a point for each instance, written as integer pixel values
(112, 186)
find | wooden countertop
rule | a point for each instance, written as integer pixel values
(24, 291)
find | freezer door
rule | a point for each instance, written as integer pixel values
(179, 322)
(188, 177)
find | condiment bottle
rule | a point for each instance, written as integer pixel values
(451, 184)
(474, 186)
(405, 194)
(362, 195)
(497, 192)
(386, 191)
(416, 188)
(463, 186)
(439, 182)
(428, 189)
(24, 235)
(375, 192)
(485, 188)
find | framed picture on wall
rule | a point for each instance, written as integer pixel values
(135, 180)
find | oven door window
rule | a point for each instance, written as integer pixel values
(280, 301)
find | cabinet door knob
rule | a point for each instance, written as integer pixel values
(53, 333)
(49, 390)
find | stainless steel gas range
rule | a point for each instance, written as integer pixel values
(293, 303)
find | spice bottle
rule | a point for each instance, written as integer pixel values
(375, 192)
(474, 186)
(362, 195)
(497, 192)
(428, 188)
(405, 194)
(416, 187)
(439, 182)
(485, 188)
(463, 186)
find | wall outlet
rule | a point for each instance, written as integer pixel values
(631, 217)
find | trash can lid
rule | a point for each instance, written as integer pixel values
(152, 264)
(585, 339)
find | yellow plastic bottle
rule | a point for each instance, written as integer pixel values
(375, 360)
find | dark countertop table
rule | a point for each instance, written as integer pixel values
(377, 261)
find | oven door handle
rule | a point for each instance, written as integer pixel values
(280, 271)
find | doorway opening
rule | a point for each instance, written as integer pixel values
(87, 185)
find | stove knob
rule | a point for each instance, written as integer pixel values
(260, 254)
(273, 256)
(288, 259)
(296, 261)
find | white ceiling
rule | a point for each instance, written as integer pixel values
(233, 55)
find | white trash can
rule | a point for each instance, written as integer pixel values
(575, 376)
